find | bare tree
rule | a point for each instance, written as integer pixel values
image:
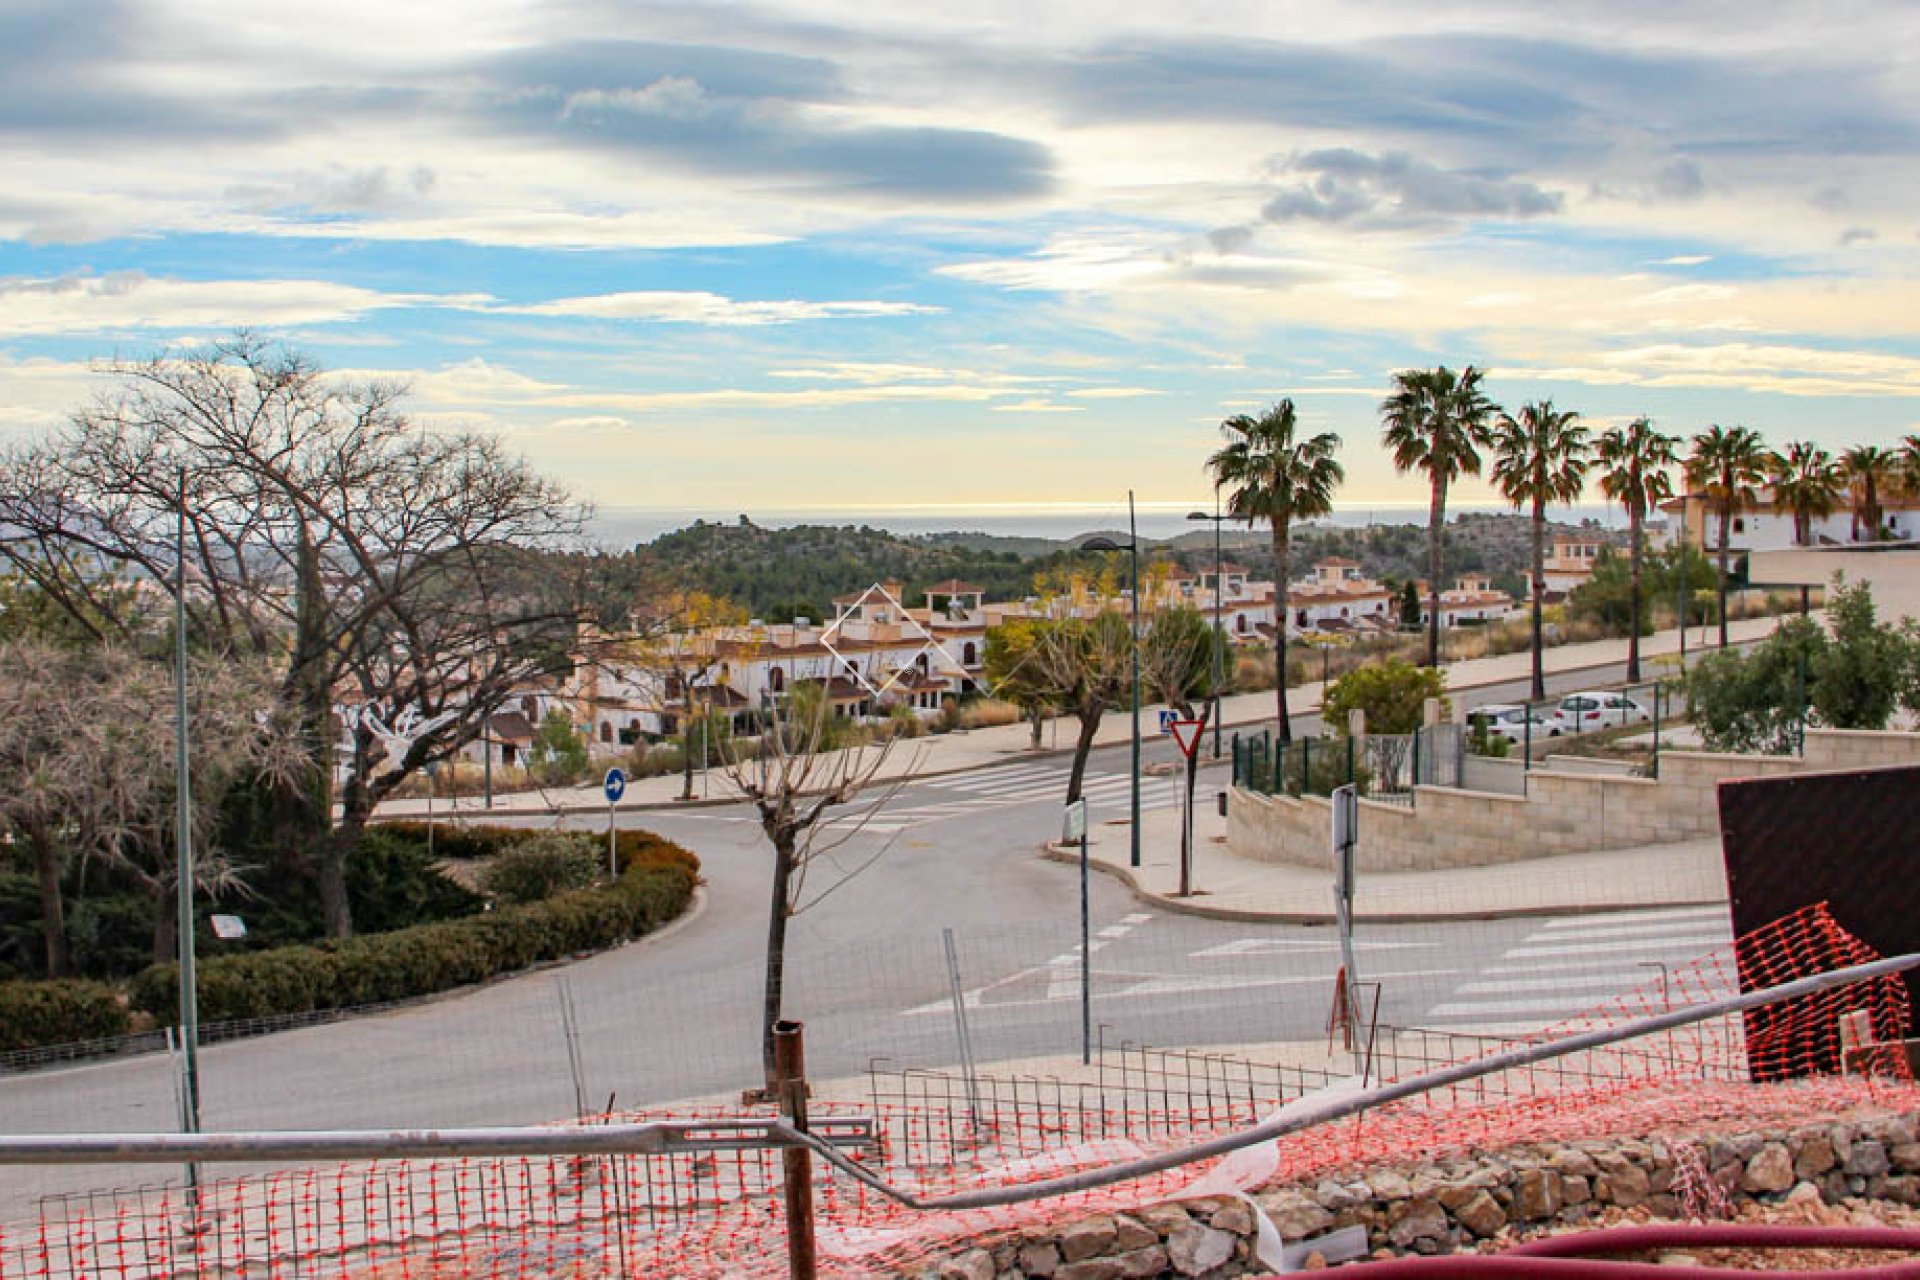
(1083, 666)
(87, 768)
(676, 642)
(793, 785)
(374, 563)
(1178, 659)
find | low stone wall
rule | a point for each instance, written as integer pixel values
(1560, 812)
(1449, 1205)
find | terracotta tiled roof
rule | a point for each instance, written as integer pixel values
(510, 725)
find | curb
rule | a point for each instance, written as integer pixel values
(1070, 854)
(1043, 753)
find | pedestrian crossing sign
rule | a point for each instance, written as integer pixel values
(1186, 733)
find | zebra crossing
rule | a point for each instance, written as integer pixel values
(1569, 964)
(1003, 787)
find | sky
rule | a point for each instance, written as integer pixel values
(872, 256)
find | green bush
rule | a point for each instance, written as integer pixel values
(541, 866)
(1392, 693)
(42, 1013)
(656, 883)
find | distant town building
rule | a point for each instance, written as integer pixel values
(1765, 525)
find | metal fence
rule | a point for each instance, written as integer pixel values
(1554, 723)
(1388, 767)
(1381, 766)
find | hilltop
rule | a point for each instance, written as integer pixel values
(779, 574)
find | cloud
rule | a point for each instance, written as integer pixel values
(1762, 368)
(128, 300)
(736, 112)
(1037, 406)
(1396, 190)
(712, 309)
(335, 190)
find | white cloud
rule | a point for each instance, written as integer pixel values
(133, 300)
(1037, 406)
(670, 307)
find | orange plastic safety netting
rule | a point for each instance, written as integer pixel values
(717, 1213)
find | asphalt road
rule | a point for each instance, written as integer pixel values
(674, 1017)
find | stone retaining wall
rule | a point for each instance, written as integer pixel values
(1449, 1205)
(1561, 812)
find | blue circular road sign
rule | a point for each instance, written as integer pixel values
(616, 785)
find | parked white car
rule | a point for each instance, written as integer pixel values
(1598, 709)
(1509, 720)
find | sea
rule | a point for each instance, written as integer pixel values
(619, 527)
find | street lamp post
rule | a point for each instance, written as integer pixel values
(1219, 590)
(1132, 548)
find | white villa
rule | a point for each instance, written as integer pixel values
(1569, 563)
(1764, 525)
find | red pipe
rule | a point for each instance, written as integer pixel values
(1557, 1256)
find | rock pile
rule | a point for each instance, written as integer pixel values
(1450, 1204)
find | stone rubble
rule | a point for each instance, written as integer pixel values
(1452, 1203)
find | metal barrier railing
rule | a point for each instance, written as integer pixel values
(1381, 766)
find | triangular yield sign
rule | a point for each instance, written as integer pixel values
(1186, 733)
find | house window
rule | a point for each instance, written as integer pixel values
(1240, 623)
(1300, 618)
(1739, 524)
(776, 679)
(969, 655)
(606, 731)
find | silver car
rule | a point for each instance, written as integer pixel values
(1509, 720)
(1598, 709)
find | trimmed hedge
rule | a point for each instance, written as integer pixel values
(655, 886)
(58, 1012)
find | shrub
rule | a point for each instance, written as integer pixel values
(540, 867)
(1392, 693)
(42, 1013)
(657, 881)
(982, 713)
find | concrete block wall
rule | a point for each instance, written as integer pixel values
(1561, 812)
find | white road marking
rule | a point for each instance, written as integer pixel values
(1636, 917)
(1285, 946)
(1703, 941)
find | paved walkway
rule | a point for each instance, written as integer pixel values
(1243, 888)
(1230, 887)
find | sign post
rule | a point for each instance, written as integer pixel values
(1346, 820)
(1074, 828)
(1186, 736)
(615, 787)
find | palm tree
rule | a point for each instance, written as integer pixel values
(1725, 465)
(1436, 421)
(1806, 482)
(1273, 474)
(1870, 468)
(1541, 456)
(1634, 460)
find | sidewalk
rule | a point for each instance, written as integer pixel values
(1229, 887)
(1241, 888)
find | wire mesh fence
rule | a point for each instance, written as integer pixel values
(716, 1213)
(1632, 723)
